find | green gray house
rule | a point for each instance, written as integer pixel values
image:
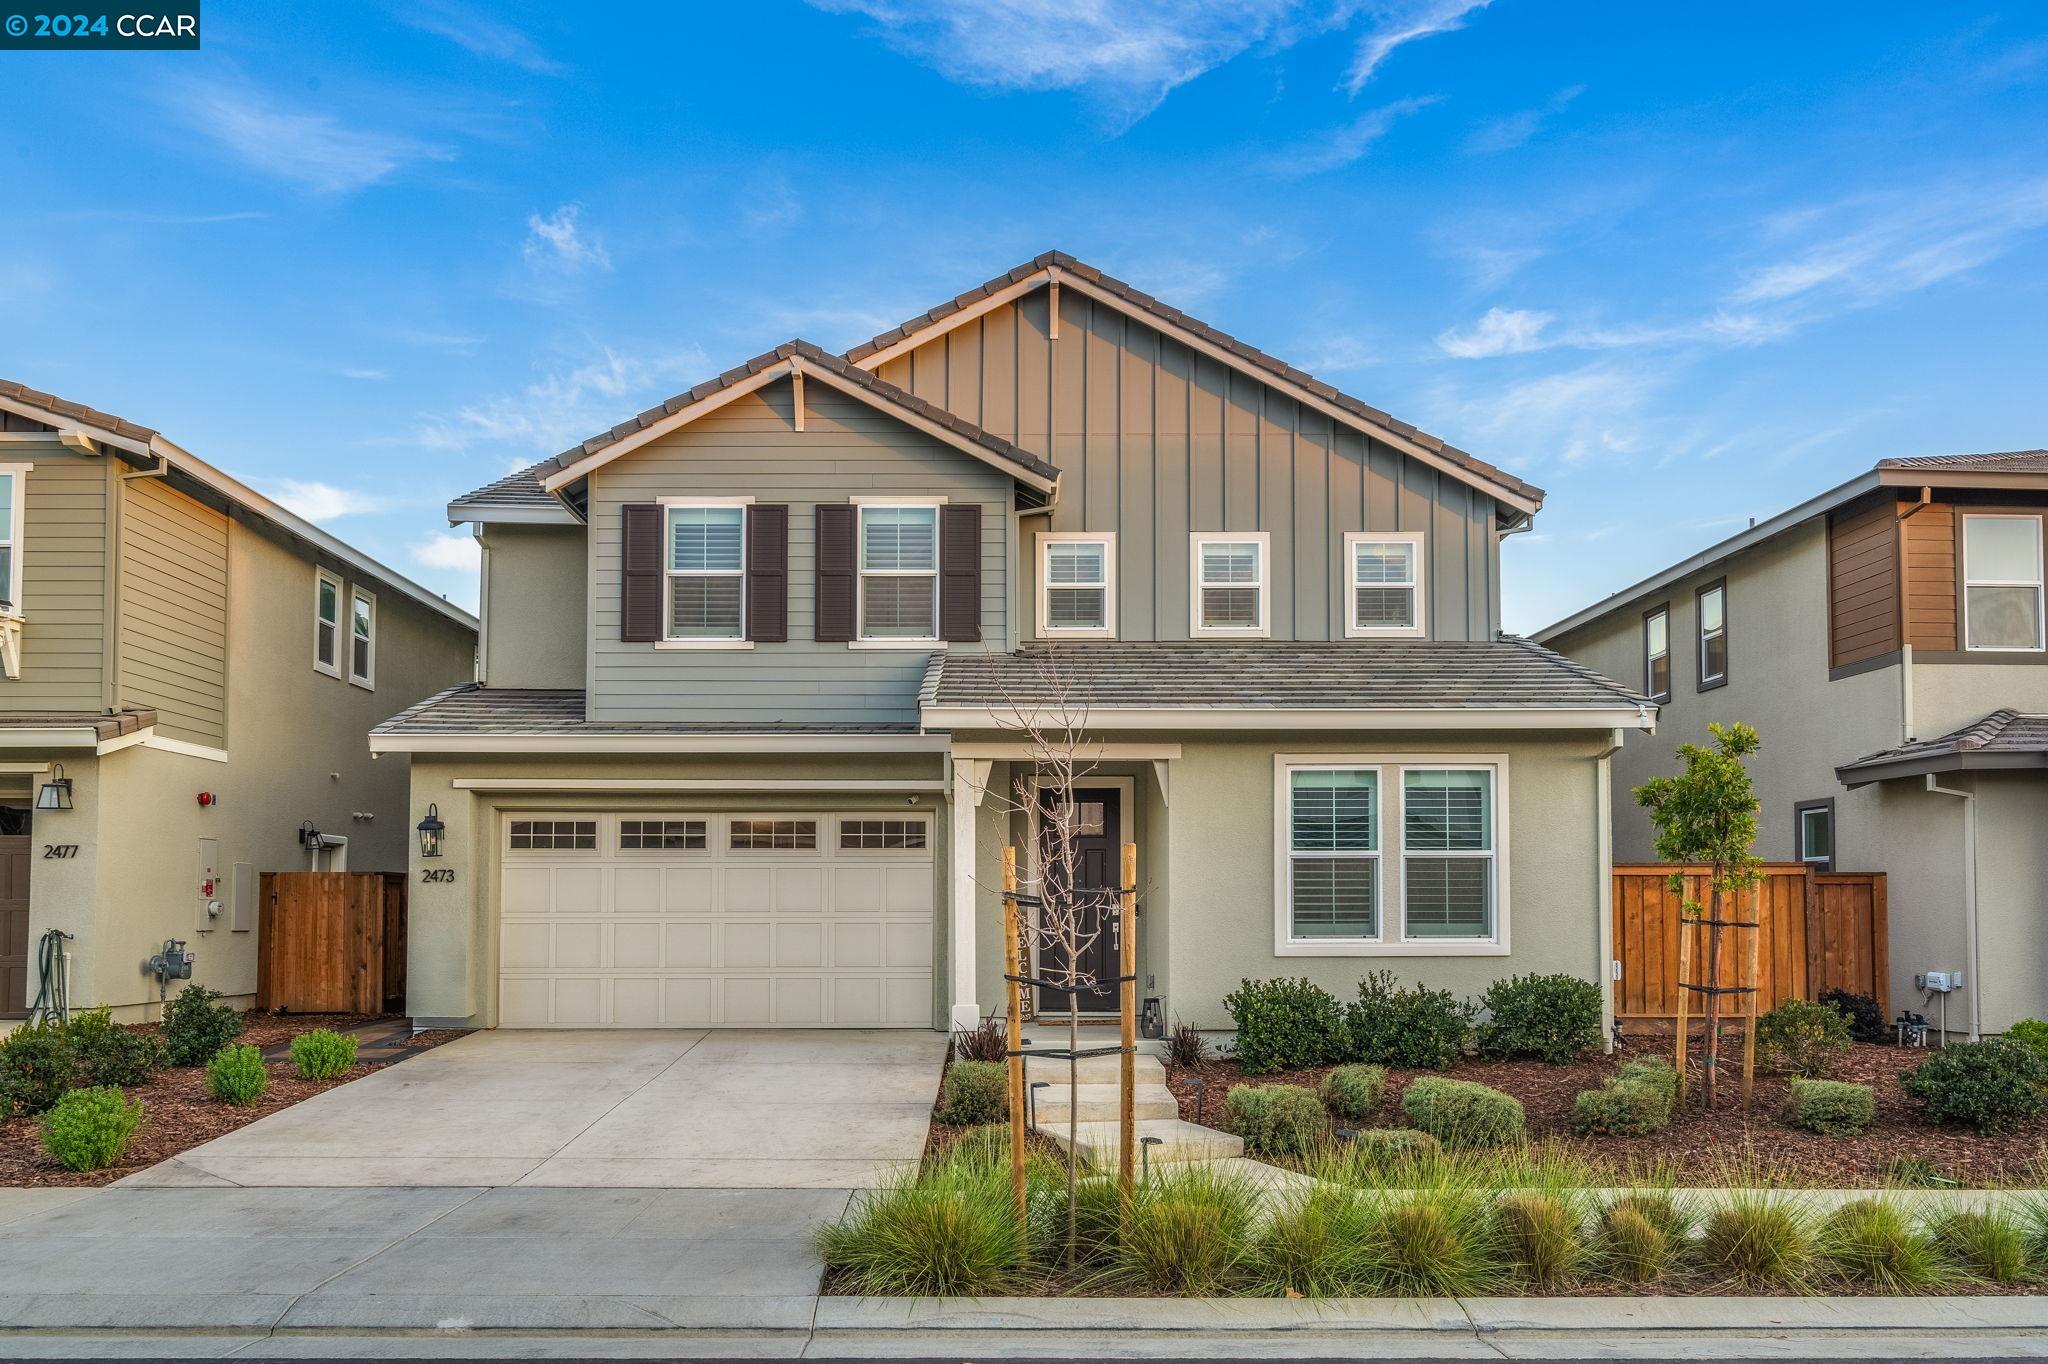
(762, 667)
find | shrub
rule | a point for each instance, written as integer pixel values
(1354, 1091)
(1098, 1215)
(109, 1054)
(988, 1040)
(1190, 1231)
(2032, 1034)
(1316, 1244)
(1418, 1029)
(974, 1092)
(1378, 1153)
(88, 1129)
(1984, 1245)
(1276, 1120)
(1185, 1045)
(1988, 1085)
(948, 1230)
(1636, 1101)
(236, 1075)
(195, 1027)
(1541, 1237)
(1802, 1037)
(1461, 1114)
(1866, 1019)
(1285, 1025)
(1552, 1018)
(1830, 1107)
(323, 1054)
(1630, 1247)
(1872, 1242)
(1759, 1241)
(37, 1067)
(1440, 1243)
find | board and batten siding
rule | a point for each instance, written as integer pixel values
(63, 581)
(173, 645)
(1155, 441)
(750, 448)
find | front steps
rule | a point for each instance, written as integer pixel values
(1095, 1104)
(1100, 1143)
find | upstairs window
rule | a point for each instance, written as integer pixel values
(1712, 604)
(1384, 590)
(899, 572)
(706, 571)
(362, 638)
(11, 481)
(1657, 654)
(2002, 583)
(1230, 585)
(327, 623)
(1076, 597)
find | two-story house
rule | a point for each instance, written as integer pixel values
(758, 664)
(189, 673)
(1886, 639)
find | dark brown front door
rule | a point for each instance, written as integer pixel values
(14, 864)
(1097, 843)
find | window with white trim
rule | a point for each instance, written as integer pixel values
(326, 623)
(1711, 605)
(1076, 585)
(1333, 854)
(662, 835)
(774, 835)
(899, 572)
(2002, 583)
(552, 835)
(1229, 572)
(362, 637)
(1657, 654)
(13, 483)
(883, 835)
(707, 565)
(1383, 584)
(1816, 831)
(1447, 862)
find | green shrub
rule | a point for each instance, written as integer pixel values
(1317, 1244)
(973, 1093)
(1865, 1015)
(1832, 1108)
(1635, 1101)
(1098, 1214)
(1541, 1236)
(1286, 1025)
(323, 1054)
(1871, 1242)
(1440, 1243)
(1630, 1247)
(948, 1230)
(1662, 1211)
(2032, 1034)
(1989, 1085)
(236, 1075)
(37, 1067)
(195, 1027)
(1191, 1231)
(88, 1129)
(109, 1054)
(1985, 1245)
(1802, 1037)
(1418, 1029)
(1462, 1114)
(1758, 1240)
(1553, 1018)
(1381, 1153)
(1353, 1092)
(1917, 1172)
(1276, 1120)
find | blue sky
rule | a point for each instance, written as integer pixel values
(1681, 265)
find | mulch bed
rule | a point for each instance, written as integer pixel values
(179, 1113)
(1701, 1148)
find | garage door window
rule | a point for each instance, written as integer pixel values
(882, 835)
(781, 835)
(664, 835)
(555, 834)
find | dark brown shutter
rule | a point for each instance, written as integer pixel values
(640, 572)
(768, 574)
(835, 551)
(960, 573)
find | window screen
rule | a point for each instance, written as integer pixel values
(1333, 863)
(1447, 844)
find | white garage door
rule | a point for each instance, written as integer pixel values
(659, 920)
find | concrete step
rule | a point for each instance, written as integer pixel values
(1095, 1070)
(1099, 1103)
(1099, 1142)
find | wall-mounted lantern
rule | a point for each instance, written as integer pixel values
(431, 830)
(310, 838)
(56, 792)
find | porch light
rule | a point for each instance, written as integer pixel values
(431, 829)
(56, 792)
(310, 837)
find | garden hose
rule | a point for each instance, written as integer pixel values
(53, 979)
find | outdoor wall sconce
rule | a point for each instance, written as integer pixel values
(310, 837)
(56, 792)
(431, 830)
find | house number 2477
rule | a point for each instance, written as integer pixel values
(431, 874)
(60, 850)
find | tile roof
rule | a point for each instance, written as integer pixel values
(2005, 462)
(1405, 674)
(2004, 738)
(50, 402)
(526, 711)
(104, 724)
(1251, 355)
(520, 488)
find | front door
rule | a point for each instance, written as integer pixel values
(14, 944)
(1096, 841)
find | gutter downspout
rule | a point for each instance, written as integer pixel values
(483, 605)
(1907, 727)
(1973, 983)
(1603, 966)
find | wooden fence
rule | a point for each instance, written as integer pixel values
(332, 942)
(1821, 931)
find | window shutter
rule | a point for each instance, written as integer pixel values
(768, 574)
(640, 573)
(960, 573)
(836, 528)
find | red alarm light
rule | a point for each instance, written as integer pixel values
(208, 798)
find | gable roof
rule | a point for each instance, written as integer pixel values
(1059, 267)
(2004, 738)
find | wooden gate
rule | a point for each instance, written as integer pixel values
(332, 942)
(1821, 931)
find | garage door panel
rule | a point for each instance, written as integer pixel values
(578, 890)
(689, 890)
(692, 946)
(528, 945)
(908, 1002)
(799, 946)
(579, 1001)
(636, 1002)
(856, 945)
(749, 1000)
(909, 890)
(636, 946)
(908, 946)
(637, 890)
(858, 890)
(578, 947)
(689, 1003)
(525, 1002)
(529, 890)
(800, 1001)
(745, 946)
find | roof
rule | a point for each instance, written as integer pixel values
(2005, 462)
(517, 490)
(105, 724)
(2002, 739)
(1348, 675)
(1268, 366)
(473, 712)
(145, 442)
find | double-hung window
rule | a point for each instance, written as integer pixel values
(1333, 854)
(1711, 603)
(899, 572)
(1383, 586)
(1077, 588)
(326, 623)
(1657, 653)
(362, 637)
(12, 479)
(2002, 586)
(707, 564)
(1230, 597)
(1814, 833)
(1447, 862)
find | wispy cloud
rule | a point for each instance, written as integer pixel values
(1403, 22)
(1342, 146)
(323, 502)
(453, 551)
(314, 150)
(1505, 134)
(366, 375)
(562, 408)
(559, 242)
(479, 33)
(1518, 331)
(153, 219)
(1596, 410)
(1502, 331)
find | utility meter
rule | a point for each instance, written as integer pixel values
(173, 963)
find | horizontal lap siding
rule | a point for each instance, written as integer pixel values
(1155, 441)
(1863, 588)
(1930, 554)
(63, 585)
(174, 612)
(750, 448)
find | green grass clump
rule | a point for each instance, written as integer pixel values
(1191, 1232)
(1462, 1114)
(88, 1129)
(1317, 1245)
(1277, 1120)
(1442, 1242)
(1630, 1247)
(236, 1075)
(1984, 1245)
(948, 1230)
(1353, 1092)
(1540, 1233)
(323, 1054)
(1872, 1243)
(1758, 1240)
(1833, 1108)
(1098, 1214)
(974, 1093)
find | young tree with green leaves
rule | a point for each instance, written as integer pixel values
(1708, 814)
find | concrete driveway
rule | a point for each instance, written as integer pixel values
(616, 1110)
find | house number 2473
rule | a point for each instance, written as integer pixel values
(431, 874)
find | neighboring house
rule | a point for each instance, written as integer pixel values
(194, 669)
(754, 663)
(1886, 639)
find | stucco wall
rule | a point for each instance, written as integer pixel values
(533, 592)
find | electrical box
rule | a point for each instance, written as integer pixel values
(242, 912)
(212, 892)
(1939, 982)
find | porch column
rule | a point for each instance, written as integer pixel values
(970, 780)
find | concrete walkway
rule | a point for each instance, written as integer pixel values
(607, 1110)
